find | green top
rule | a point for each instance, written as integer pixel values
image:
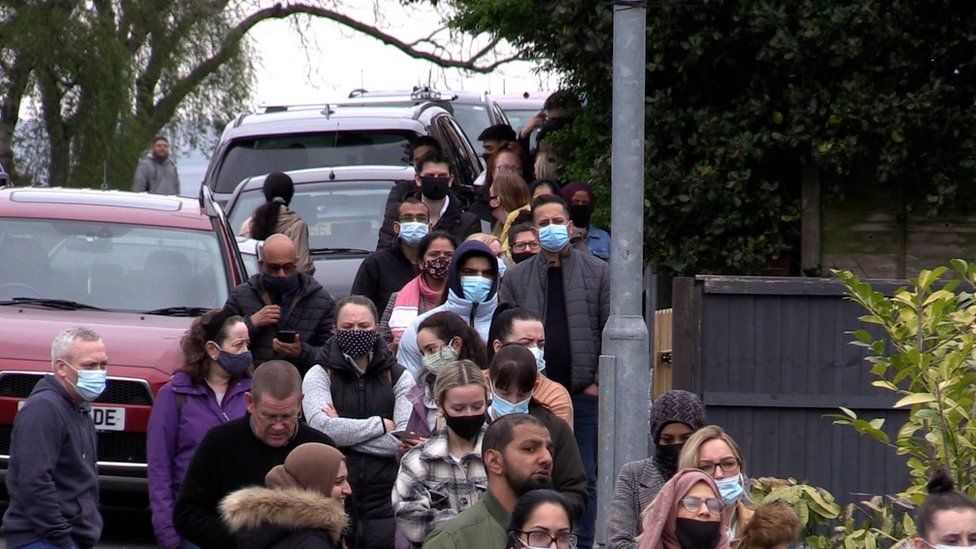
(482, 526)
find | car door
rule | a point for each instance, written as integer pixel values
(461, 152)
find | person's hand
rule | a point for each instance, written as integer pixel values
(330, 410)
(268, 315)
(293, 350)
(531, 124)
(406, 445)
(592, 390)
(389, 425)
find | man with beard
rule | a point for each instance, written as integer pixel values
(289, 315)
(156, 173)
(516, 452)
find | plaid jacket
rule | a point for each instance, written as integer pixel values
(432, 488)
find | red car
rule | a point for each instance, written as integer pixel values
(136, 268)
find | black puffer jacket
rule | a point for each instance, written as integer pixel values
(290, 518)
(312, 315)
(362, 396)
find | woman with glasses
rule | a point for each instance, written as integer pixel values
(274, 217)
(686, 514)
(713, 451)
(541, 519)
(947, 518)
(523, 242)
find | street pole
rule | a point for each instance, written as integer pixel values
(625, 362)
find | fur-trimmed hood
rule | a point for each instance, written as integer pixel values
(289, 509)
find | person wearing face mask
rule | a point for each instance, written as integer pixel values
(947, 517)
(685, 515)
(52, 451)
(300, 505)
(278, 299)
(443, 338)
(570, 291)
(514, 325)
(495, 245)
(424, 292)
(523, 243)
(713, 451)
(513, 374)
(579, 196)
(386, 270)
(207, 391)
(445, 475)
(675, 416)
(472, 294)
(358, 396)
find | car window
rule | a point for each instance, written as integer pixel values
(338, 215)
(518, 117)
(468, 164)
(473, 119)
(111, 265)
(256, 156)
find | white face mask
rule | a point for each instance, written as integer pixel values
(944, 546)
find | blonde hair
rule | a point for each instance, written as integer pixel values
(458, 374)
(512, 191)
(689, 454)
(484, 238)
(547, 162)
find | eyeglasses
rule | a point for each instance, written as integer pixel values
(694, 503)
(507, 169)
(523, 246)
(728, 465)
(543, 539)
(286, 268)
(282, 419)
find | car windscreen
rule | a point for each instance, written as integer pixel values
(280, 153)
(519, 117)
(339, 215)
(110, 265)
(473, 119)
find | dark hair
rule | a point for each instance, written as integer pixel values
(516, 230)
(426, 241)
(942, 497)
(278, 379)
(278, 190)
(213, 325)
(513, 364)
(556, 189)
(501, 323)
(501, 432)
(433, 157)
(561, 99)
(447, 325)
(526, 505)
(159, 138)
(540, 201)
(423, 141)
(357, 300)
(413, 201)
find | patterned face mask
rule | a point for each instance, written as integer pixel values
(437, 267)
(356, 343)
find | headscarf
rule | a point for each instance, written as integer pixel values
(675, 406)
(580, 215)
(312, 466)
(660, 517)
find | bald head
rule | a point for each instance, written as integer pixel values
(278, 248)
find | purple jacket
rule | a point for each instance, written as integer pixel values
(181, 415)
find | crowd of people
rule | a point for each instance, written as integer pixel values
(449, 402)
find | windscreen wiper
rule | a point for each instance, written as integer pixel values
(63, 304)
(329, 251)
(178, 311)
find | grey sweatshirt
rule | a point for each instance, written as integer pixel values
(52, 477)
(156, 177)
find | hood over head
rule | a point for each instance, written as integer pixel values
(465, 250)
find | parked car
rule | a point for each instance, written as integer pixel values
(343, 208)
(137, 268)
(286, 138)
(473, 111)
(521, 107)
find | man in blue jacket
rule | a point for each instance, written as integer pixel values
(52, 477)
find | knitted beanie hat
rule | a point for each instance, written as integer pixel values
(676, 406)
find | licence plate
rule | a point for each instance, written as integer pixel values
(108, 419)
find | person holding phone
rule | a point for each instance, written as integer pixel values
(446, 474)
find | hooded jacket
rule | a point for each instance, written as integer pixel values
(311, 313)
(285, 518)
(182, 414)
(477, 315)
(52, 477)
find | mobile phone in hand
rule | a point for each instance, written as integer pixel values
(406, 435)
(286, 336)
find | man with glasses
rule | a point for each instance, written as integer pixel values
(388, 268)
(523, 243)
(516, 452)
(240, 453)
(52, 477)
(289, 315)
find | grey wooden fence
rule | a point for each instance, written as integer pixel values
(770, 357)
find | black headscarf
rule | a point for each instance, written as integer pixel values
(675, 406)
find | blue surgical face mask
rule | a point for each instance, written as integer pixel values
(412, 232)
(540, 358)
(730, 489)
(91, 383)
(503, 407)
(476, 288)
(553, 237)
(502, 267)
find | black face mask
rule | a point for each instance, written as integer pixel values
(466, 427)
(667, 458)
(697, 534)
(280, 285)
(580, 215)
(522, 256)
(434, 188)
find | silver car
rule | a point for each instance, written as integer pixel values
(343, 208)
